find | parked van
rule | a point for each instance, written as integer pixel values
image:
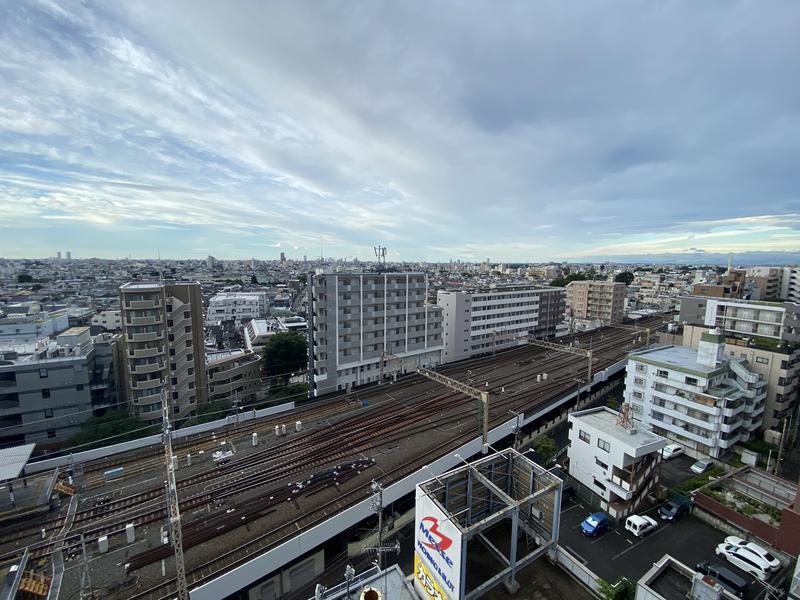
(671, 451)
(732, 582)
(640, 525)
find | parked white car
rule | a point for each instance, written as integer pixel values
(768, 557)
(640, 525)
(671, 451)
(701, 466)
(744, 559)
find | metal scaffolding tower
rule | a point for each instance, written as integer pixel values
(173, 510)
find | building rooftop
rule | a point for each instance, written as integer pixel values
(604, 419)
(675, 356)
(154, 284)
(223, 355)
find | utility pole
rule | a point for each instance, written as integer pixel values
(86, 573)
(780, 449)
(173, 510)
(377, 507)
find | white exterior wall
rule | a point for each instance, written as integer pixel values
(110, 319)
(479, 322)
(686, 412)
(236, 305)
(594, 467)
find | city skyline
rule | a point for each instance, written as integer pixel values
(539, 133)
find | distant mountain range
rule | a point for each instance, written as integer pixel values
(749, 259)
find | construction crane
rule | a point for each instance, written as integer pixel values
(569, 350)
(481, 395)
(173, 510)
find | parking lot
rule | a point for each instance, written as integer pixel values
(676, 470)
(617, 552)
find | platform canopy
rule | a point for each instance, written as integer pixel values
(13, 460)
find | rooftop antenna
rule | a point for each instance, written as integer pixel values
(625, 418)
(380, 254)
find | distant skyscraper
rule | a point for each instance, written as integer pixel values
(211, 262)
(69, 255)
(283, 257)
(58, 255)
(305, 259)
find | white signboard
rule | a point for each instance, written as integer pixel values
(437, 542)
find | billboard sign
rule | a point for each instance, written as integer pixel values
(437, 545)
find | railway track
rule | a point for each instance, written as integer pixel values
(418, 406)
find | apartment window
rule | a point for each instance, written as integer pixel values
(169, 307)
(174, 395)
(51, 433)
(190, 371)
(188, 343)
(169, 322)
(186, 314)
(662, 373)
(48, 413)
(763, 361)
(45, 394)
(638, 381)
(641, 368)
(603, 445)
(173, 366)
(637, 395)
(691, 381)
(600, 464)
(584, 437)
(79, 387)
(171, 337)
(189, 358)
(187, 329)
(42, 373)
(174, 381)
(600, 485)
(192, 399)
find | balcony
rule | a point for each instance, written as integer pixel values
(150, 336)
(149, 320)
(150, 384)
(5, 383)
(149, 398)
(143, 304)
(148, 368)
(144, 352)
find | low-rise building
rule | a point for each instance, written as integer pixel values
(233, 375)
(29, 328)
(110, 319)
(615, 457)
(256, 333)
(699, 398)
(481, 321)
(50, 387)
(236, 306)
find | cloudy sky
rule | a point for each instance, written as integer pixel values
(510, 130)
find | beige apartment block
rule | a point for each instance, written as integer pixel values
(596, 300)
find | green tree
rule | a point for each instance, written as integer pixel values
(253, 279)
(625, 277)
(113, 427)
(24, 278)
(563, 281)
(213, 411)
(285, 353)
(545, 447)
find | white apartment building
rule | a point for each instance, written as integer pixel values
(699, 398)
(617, 462)
(28, 328)
(236, 306)
(256, 332)
(110, 319)
(485, 320)
(356, 318)
(773, 320)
